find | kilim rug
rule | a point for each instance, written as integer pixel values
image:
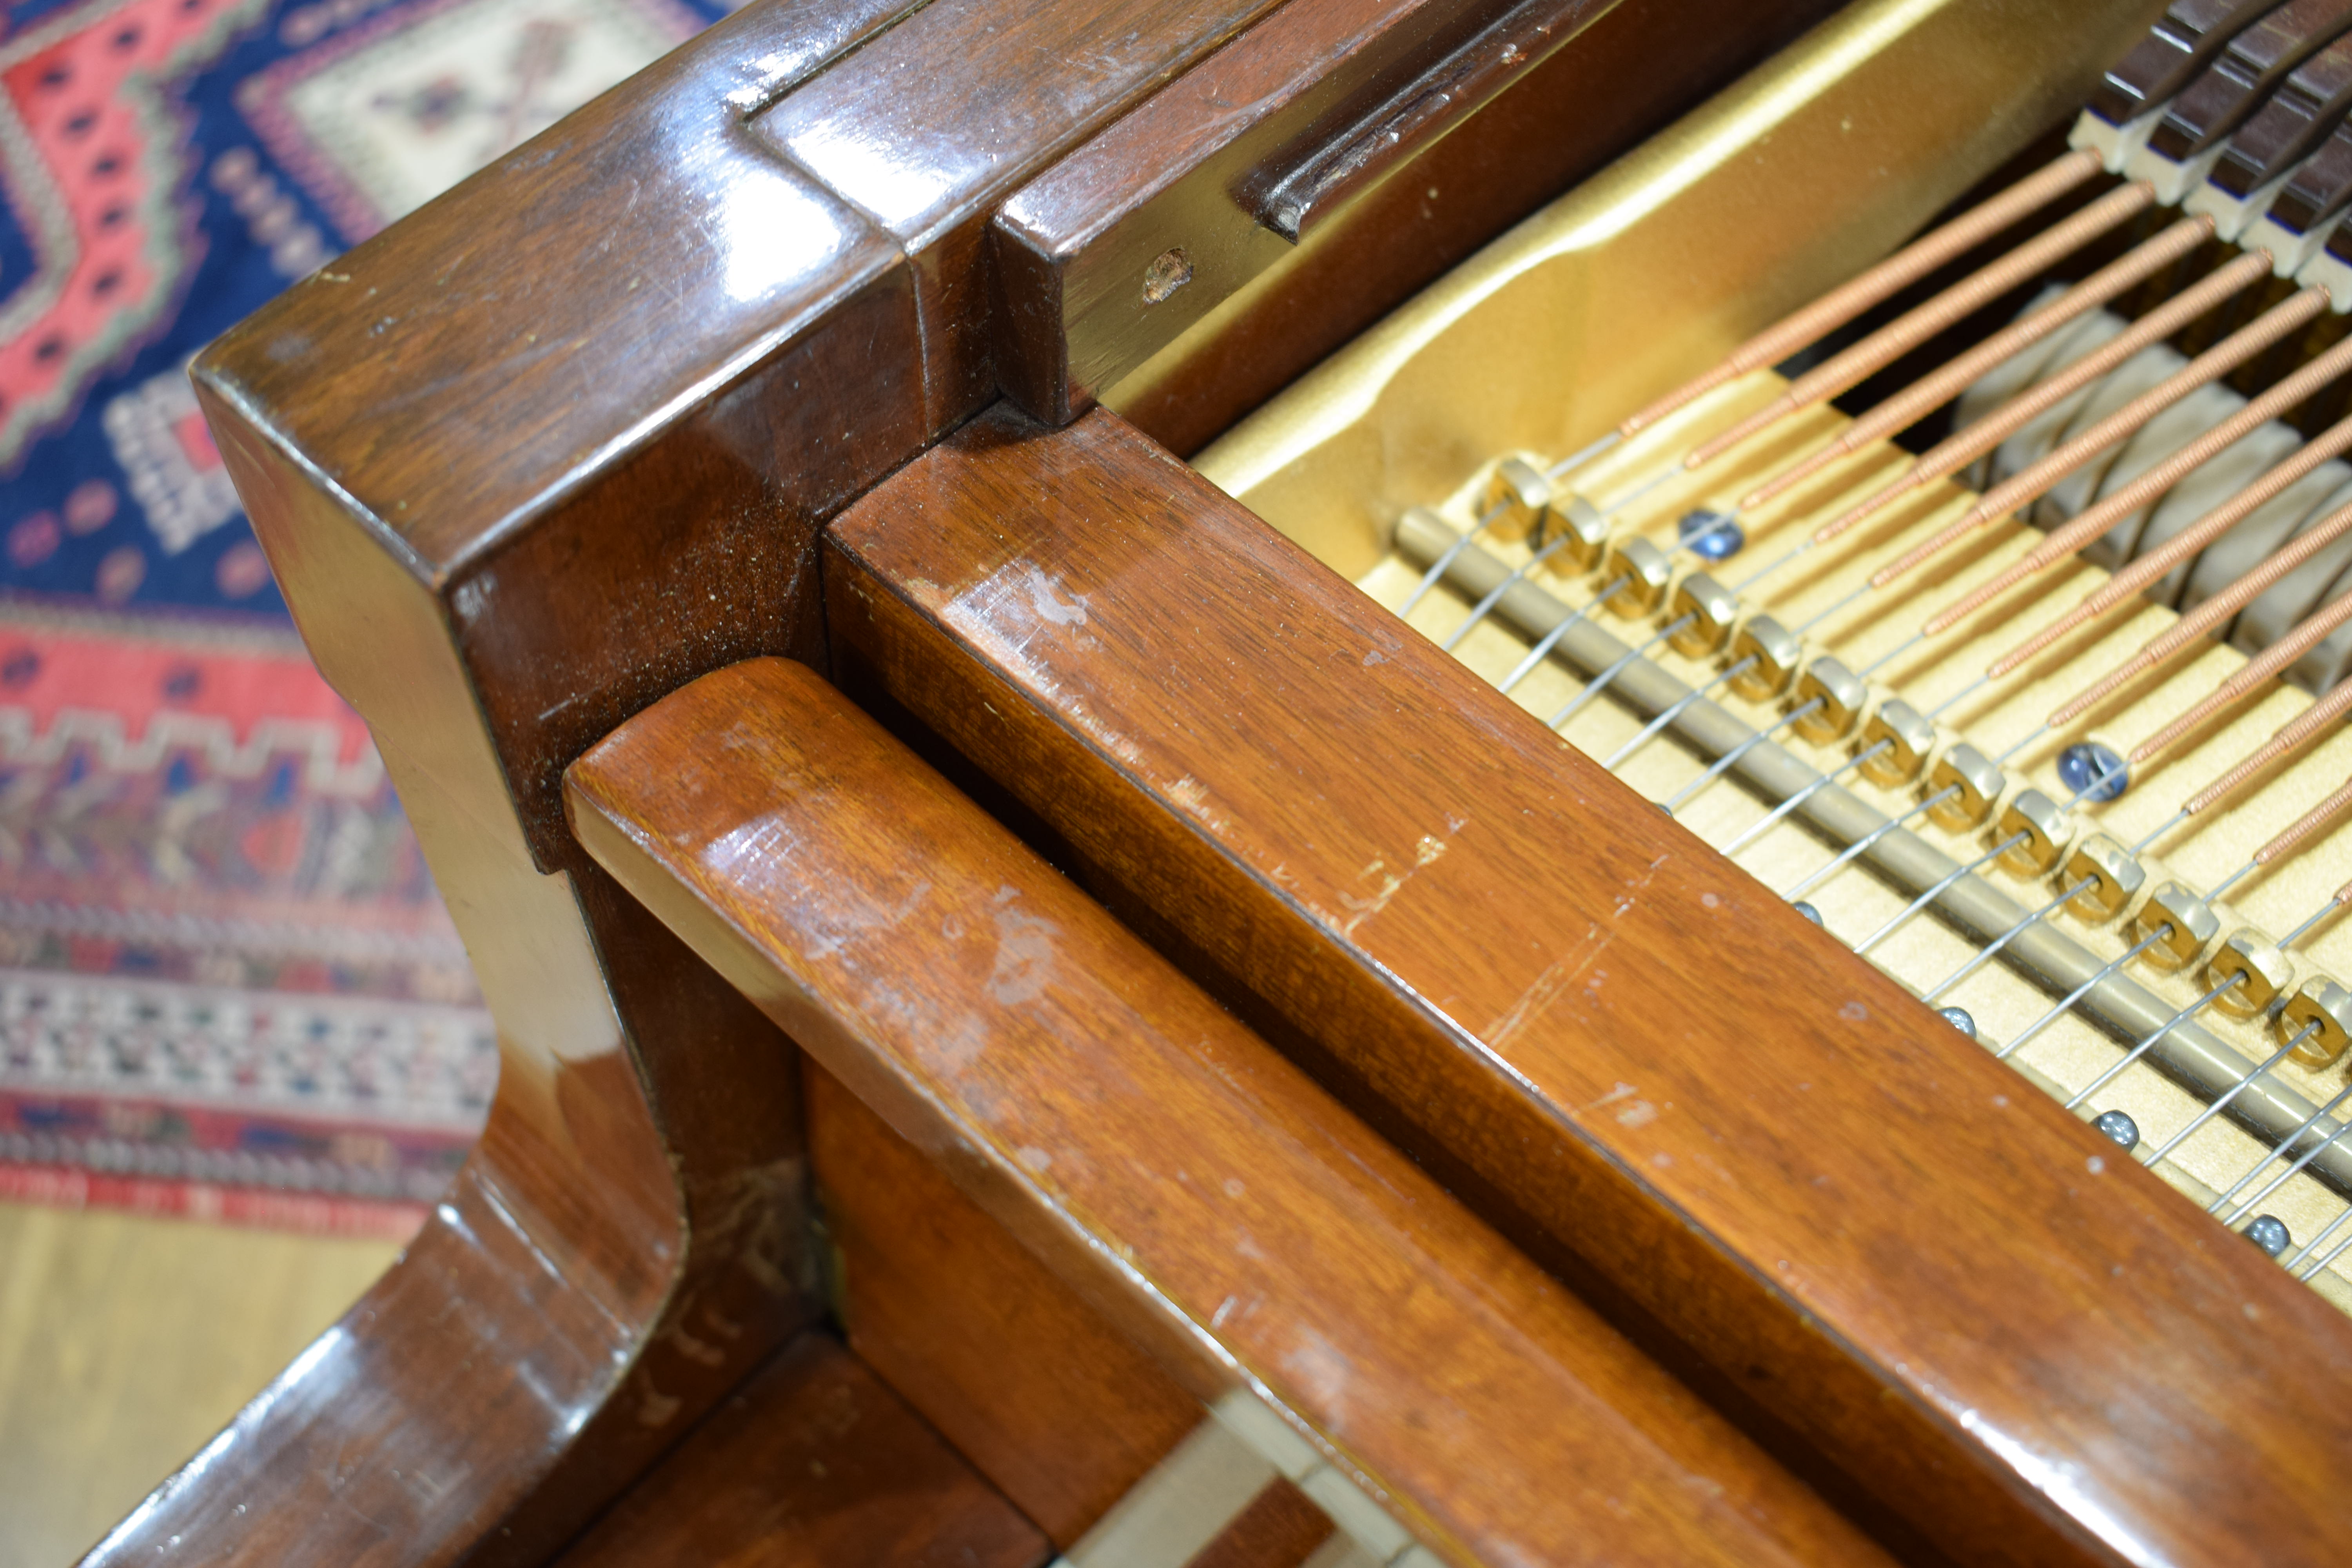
(226, 986)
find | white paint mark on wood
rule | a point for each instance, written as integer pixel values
(1045, 598)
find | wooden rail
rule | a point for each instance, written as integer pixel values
(1195, 1187)
(1650, 1068)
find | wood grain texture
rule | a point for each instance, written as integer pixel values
(498, 456)
(548, 448)
(1045, 1398)
(1942, 1278)
(532, 1351)
(1280, 1529)
(495, 456)
(626, 1242)
(1187, 1180)
(812, 1463)
(576, 481)
(1630, 73)
(928, 127)
(126, 1340)
(1072, 247)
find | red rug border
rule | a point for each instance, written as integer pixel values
(71, 1188)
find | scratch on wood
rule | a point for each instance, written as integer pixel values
(1631, 1111)
(1365, 909)
(1557, 976)
(1424, 853)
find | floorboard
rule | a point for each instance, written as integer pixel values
(126, 1342)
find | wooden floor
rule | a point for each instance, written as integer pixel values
(125, 1343)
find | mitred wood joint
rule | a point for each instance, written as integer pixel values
(812, 1463)
(1192, 1185)
(1046, 1399)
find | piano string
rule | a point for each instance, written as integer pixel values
(1588, 579)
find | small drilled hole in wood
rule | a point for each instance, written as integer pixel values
(1169, 270)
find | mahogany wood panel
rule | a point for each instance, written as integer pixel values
(812, 1463)
(633, 356)
(1032, 1386)
(1034, 1389)
(1187, 1180)
(1629, 73)
(547, 447)
(2034, 1350)
(1175, 178)
(654, 348)
(542, 451)
(928, 127)
(626, 1243)
(492, 453)
(1280, 1529)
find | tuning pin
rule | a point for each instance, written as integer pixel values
(2187, 921)
(1908, 737)
(1775, 649)
(1586, 533)
(2043, 827)
(1841, 695)
(1523, 495)
(2116, 878)
(2319, 1001)
(1710, 607)
(2257, 965)
(1976, 784)
(1641, 570)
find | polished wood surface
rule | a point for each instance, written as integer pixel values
(630, 1238)
(812, 1463)
(1034, 1388)
(547, 449)
(1187, 1180)
(656, 347)
(1075, 248)
(1628, 71)
(498, 457)
(1281, 1530)
(558, 396)
(443, 1416)
(1059, 1411)
(931, 126)
(562, 442)
(2034, 1350)
(696, 316)
(126, 1341)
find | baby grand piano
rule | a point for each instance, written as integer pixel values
(1059, 1000)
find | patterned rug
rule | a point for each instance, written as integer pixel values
(226, 986)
